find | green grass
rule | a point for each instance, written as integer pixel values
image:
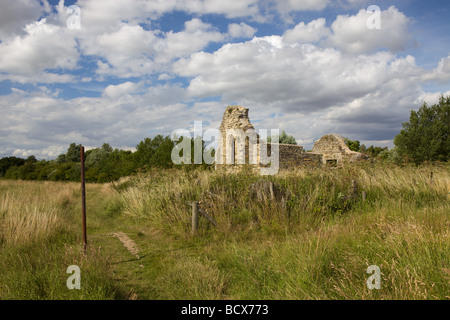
(313, 242)
(35, 253)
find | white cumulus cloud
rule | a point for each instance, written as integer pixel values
(351, 34)
(44, 46)
(241, 30)
(312, 32)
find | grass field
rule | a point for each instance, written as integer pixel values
(313, 240)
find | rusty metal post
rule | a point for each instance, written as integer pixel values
(83, 200)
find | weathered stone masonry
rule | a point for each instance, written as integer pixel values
(333, 148)
(292, 156)
(330, 149)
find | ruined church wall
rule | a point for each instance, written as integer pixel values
(333, 147)
(236, 124)
(292, 156)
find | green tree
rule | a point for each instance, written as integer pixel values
(31, 159)
(162, 147)
(154, 152)
(27, 171)
(44, 168)
(372, 151)
(61, 158)
(8, 162)
(425, 137)
(12, 173)
(95, 157)
(119, 163)
(391, 155)
(283, 139)
(107, 147)
(74, 153)
(353, 145)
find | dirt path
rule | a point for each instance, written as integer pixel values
(127, 242)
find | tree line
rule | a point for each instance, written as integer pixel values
(424, 138)
(102, 164)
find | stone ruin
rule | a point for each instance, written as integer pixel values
(239, 144)
(334, 150)
(237, 135)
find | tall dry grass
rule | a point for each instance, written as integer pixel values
(164, 198)
(316, 245)
(40, 238)
(30, 211)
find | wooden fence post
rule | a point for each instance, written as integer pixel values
(354, 187)
(207, 216)
(194, 217)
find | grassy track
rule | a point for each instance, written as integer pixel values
(313, 240)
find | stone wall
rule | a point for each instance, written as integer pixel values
(292, 156)
(236, 118)
(242, 135)
(334, 149)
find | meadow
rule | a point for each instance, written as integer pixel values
(313, 238)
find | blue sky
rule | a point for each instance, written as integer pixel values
(136, 68)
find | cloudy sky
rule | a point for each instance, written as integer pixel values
(137, 68)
